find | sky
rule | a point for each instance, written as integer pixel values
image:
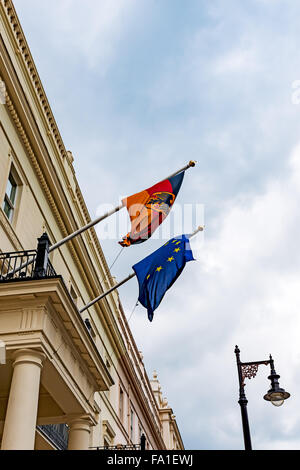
(140, 87)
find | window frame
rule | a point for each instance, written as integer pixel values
(121, 404)
(8, 200)
(131, 423)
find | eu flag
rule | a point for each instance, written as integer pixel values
(157, 272)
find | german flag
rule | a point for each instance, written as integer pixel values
(149, 208)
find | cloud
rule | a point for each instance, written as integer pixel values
(89, 31)
(247, 294)
(138, 92)
(241, 59)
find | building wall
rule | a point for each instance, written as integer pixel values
(49, 200)
(170, 432)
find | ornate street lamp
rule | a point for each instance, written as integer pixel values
(275, 395)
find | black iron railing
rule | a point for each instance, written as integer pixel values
(118, 447)
(140, 446)
(21, 265)
(58, 434)
(27, 264)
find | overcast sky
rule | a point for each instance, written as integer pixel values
(139, 88)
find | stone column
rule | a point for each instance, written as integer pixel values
(21, 413)
(79, 433)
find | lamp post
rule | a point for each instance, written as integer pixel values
(275, 395)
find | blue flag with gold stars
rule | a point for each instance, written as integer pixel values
(157, 272)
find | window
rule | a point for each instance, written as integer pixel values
(108, 365)
(90, 328)
(131, 424)
(141, 433)
(10, 196)
(121, 404)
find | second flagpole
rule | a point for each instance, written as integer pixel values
(92, 302)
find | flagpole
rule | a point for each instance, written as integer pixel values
(130, 276)
(74, 234)
(109, 213)
(186, 167)
(191, 163)
(199, 229)
(85, 227)
(107, 292)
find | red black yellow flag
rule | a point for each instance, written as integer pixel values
(149, 208)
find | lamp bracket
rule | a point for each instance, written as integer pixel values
(249, 369)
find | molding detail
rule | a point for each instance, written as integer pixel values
(92, 279)
(44, 185)
(27, 319)
(108, 430)
(24, 54)
(34, 162)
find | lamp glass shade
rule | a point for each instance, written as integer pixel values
(277, 402)
(277, 398)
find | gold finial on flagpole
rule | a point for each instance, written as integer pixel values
(199, 229)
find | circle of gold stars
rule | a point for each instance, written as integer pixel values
(171, 258)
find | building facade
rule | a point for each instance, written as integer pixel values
(67, 380)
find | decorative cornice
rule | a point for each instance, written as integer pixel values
(23, 51)
(92, 292)
(52, 296)
(93, 234)
(34, 162)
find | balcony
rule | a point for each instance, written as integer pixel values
(27, 264)
(22, 265)
(39, 321)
